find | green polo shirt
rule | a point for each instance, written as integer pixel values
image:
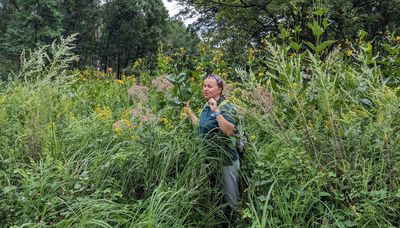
(209, 129)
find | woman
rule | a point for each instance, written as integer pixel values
(217, 125)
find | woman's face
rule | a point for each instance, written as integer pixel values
(211, 89)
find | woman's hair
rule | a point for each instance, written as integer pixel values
(217, 78)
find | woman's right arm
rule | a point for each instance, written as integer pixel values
(192, 116)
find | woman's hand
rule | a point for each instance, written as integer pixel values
(226, 127)
(213, 104)
(186, 108)
(189, 112)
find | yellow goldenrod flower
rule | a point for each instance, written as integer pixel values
(253, 137)
(52, 125)
(217, 56)
(165, 121)
(71, 115)
(122, 125)
(131, 79)
(219, 53)
(85, 73)
(237, 92)
(119, 82)
(134, 138)
(126, 114)
(234, 100)
(100, 74)
(349, 52)
(103, 113)
(127, 123)
(215, 59)
(117, 129)
(138, 63)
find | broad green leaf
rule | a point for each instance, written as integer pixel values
(77, 185)
(316, 29)
(321, 194)
(319, 11)
(324, 45)
(297, 29)
(284, 33)
(171, 78)
(325, 23)
(312, 46)
(362, 34)
(296, 46)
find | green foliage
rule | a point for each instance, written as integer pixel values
(390, 61)
(333, 124)
(84, 19)
(28, 24)
(237, 25)
(109, 35)
(317, 31)
(48, 62)
(132, 29)
(94, 151)
(182, 91)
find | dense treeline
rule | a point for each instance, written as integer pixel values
(238, 24)
(116, 33)
(110, 34)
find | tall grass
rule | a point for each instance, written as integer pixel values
(332, 151)
(326, 153)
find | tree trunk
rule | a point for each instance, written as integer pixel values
(118, 67)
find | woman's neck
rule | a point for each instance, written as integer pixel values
(216, 98)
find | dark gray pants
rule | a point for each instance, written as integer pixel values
(230, 183)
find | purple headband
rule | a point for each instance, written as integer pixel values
(217, 78)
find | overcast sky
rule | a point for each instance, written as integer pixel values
(172, 7)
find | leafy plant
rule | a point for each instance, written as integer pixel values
(182, 90)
